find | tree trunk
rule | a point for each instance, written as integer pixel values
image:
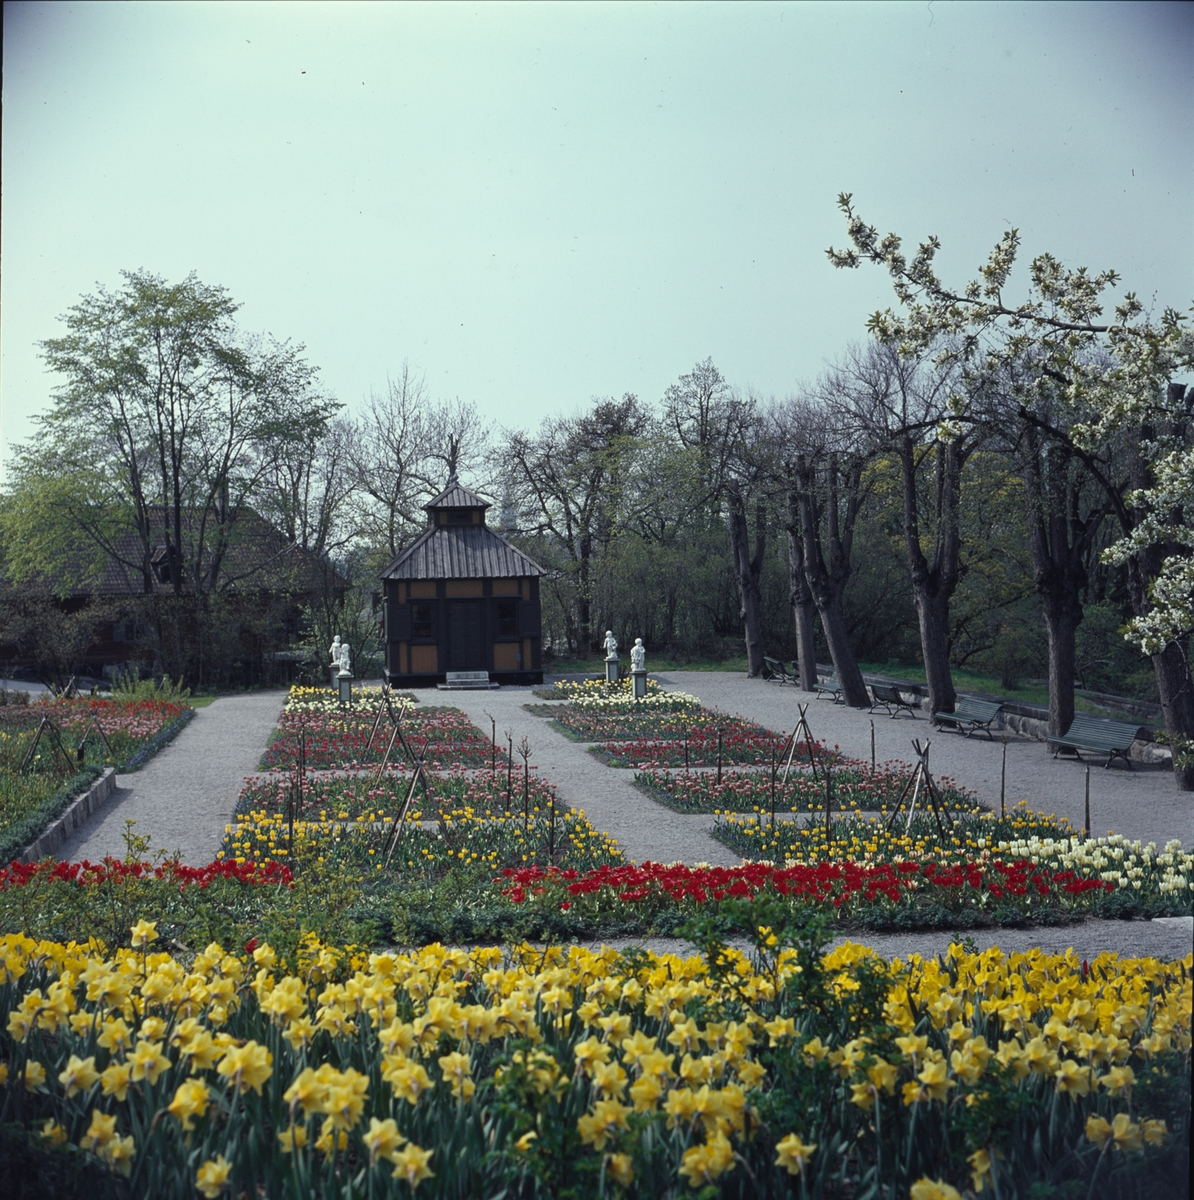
(827, 583)
(747, 571)
(1175, 689)
(1062, 607)
(932, 615)
(1060, 539)
(584, 603)
(933, 586)
(849, 675)
(1172, 668)
(804, 609)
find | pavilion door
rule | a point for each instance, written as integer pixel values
(466, 649)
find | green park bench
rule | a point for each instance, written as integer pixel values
(887, 696)
(1112, 738)
(832, 687)
(969, 715)
(773, 669)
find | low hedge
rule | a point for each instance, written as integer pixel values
(30, 825)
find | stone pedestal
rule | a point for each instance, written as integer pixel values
(345, 684)
(334, 675)
(640, 683)
(611, 670)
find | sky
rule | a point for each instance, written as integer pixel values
(538, 204)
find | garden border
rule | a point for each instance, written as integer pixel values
(75, 814)
(166, 734)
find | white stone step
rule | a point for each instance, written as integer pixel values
(460, 681)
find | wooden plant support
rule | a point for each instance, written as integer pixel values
(920, 776)
(419, 778)
(802, 727)
(55, 741)
(509, 769)
(381, 712)
(1086, 826)
(94, 724)
(1003, 781)
(828, 805)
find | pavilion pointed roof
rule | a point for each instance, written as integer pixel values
(456, 495)
(472, 551)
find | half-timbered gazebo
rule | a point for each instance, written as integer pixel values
(461, 598)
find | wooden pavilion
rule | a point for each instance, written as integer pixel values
(461, 598)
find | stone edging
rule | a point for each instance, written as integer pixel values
(76, 813)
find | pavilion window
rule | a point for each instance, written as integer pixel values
(422, 620)
(507, 618)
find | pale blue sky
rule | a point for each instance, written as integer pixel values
(537, 204)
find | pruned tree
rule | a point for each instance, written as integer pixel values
(821, 469)
(898, 403)
(1108, 377)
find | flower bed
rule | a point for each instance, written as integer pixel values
(565, 689)
(445, 736)
(321, 701)
(583, 1073)
(854, 787)
(127, 724)
(884, 894)
(616, 725)
(622, 701)
(30, 800)
(342, 797)
(116, 871)
(461, 837)
(741, 743)
(1142, 881)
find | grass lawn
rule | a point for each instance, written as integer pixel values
(989, 685)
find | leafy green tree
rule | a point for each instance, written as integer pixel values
(168, 421)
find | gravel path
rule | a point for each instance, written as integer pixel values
(1167, 937)
(184, 796)
(643, 829)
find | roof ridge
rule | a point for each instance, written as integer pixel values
(456, 495)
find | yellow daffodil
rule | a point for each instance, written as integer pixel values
(80, 1075)
(143, 933)
(793, 1154)
(412, 1164)
(212, 1178)
(190, 1101)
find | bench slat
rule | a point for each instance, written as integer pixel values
(1113, 738)
(977, 714)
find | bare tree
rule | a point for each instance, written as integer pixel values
(899, 404)
(822, 471)
(724, 430)
(388, 456)
(567, 481)
(456, 442)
